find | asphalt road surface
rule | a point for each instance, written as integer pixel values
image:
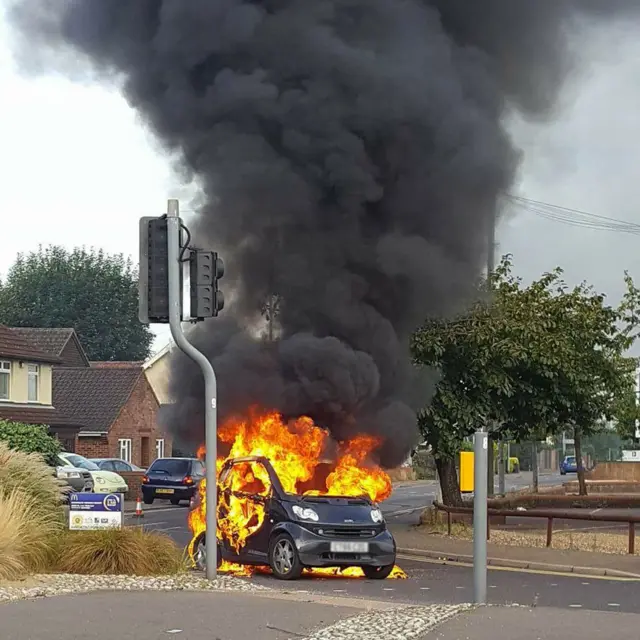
(430, 582)
(435, 582)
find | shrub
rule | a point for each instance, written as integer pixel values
(29, 473)
(27, 535)
(424, 465)
(127, 551)
(29, 438)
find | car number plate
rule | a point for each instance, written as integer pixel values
(349, 547)
(164, 490)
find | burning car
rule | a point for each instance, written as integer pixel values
(290, 533)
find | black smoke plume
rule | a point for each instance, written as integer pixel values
(351, 155)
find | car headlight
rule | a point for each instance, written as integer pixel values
(305, 513)
(100, 480)
(376, 516)
(68, 474)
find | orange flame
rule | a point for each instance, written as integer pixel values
(295, 449)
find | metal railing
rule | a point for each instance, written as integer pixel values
(550, 515)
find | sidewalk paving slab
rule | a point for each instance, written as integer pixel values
(414, 541)
(521, 623)
(261, 615)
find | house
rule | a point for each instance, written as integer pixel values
(117, 408)
(26, 386)
(113, 401)
(62, 343)
(157, 371)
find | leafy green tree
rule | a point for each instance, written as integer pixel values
(528, 361)
(91, 291)
(30, 438)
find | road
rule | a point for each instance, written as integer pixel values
(408, 500)
(434, 582)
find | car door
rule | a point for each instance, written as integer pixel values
(107, 465)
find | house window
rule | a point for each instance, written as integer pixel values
(33, 375)
(124, 445)
(160, 448)
(5, 379)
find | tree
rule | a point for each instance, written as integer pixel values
(93, 292)
(30, 438)
(529, 360)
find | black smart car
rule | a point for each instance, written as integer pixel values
(305, 531)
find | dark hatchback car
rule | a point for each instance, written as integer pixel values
(305, 531)
(173, 479)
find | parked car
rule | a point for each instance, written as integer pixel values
(173, 479)
(115, 464)
(103, 481)
(569, 465)
(305, 531)
(78, 480)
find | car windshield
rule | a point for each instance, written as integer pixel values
(170, 466)
(571, 460)
(79, 462)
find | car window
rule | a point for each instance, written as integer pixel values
(106, 465)
(170, 466)
(198, 469)
(80, 462)
(571, 459)
(248, 477)
(121, 465)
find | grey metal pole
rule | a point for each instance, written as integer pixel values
(210, 383)
(480, 449)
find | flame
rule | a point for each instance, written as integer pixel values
(295, 449)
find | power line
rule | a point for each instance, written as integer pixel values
(573, 217)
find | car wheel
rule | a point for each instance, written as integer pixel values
(284, 559)
(148, 500)
(377, 573)
(175, 501)
(200, 555)
(563, 473)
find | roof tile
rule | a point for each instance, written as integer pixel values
(48, 340)
(14, 345)
(93, 396)
(36, 415)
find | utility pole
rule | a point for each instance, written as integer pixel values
(160, 291)
(480, 515)
(491, 244)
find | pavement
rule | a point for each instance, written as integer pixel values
(282, 616)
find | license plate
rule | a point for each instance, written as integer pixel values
(349, 547)
(165, 490)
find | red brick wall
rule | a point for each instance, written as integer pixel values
(138, 420)
(93, 447)
(134, 482)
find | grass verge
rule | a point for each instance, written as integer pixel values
(571, 540)
(127, 551)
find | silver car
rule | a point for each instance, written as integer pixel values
(78, 479)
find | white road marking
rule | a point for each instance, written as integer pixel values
(613, 604)
(586, 583)
(459, 587)
(576, 606)
(388, 589)
(425, 588)
(174, 631)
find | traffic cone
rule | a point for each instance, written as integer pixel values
(139, 512)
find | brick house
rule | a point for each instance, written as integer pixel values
(113, 401)
(118, 409)
(26, 386)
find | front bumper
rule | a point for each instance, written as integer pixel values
(315, 550)
(102, 488)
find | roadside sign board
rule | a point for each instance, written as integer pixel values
(91, 511)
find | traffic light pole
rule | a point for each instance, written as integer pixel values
(210, 383)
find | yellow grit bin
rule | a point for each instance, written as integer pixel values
(466, 471)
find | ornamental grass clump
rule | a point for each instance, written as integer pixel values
(126, 551)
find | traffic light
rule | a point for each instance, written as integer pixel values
(154, 271)
(206, 268)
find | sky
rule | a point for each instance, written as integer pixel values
(78, 169)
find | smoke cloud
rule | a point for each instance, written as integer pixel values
(351, 155)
